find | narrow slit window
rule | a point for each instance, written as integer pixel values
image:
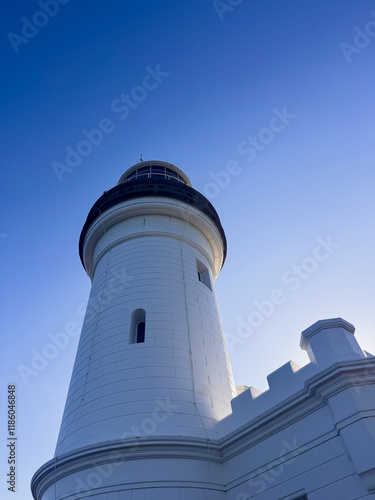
(141, 327)
(137, 326)
(203, 275)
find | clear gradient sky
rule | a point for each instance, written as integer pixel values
(280, 93)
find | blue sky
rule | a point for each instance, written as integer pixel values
(226, 76)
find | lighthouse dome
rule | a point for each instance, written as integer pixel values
(154, 169)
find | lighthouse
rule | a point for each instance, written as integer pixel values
(152, 376)
(152, 412)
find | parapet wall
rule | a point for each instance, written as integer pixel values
(327, 342)
(320, 418)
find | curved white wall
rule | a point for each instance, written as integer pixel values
(179, 381)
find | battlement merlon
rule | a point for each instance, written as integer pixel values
(331, 341)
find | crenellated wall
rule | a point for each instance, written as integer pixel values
(312, 432)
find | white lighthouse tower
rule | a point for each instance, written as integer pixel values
(151, 412)
(152, 375)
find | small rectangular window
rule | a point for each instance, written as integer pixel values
(137, 326)
(203, 275)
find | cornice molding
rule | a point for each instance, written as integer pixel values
(154, 206)
(324, 324)
(122, 451)
(317, 390)
(161, 189)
